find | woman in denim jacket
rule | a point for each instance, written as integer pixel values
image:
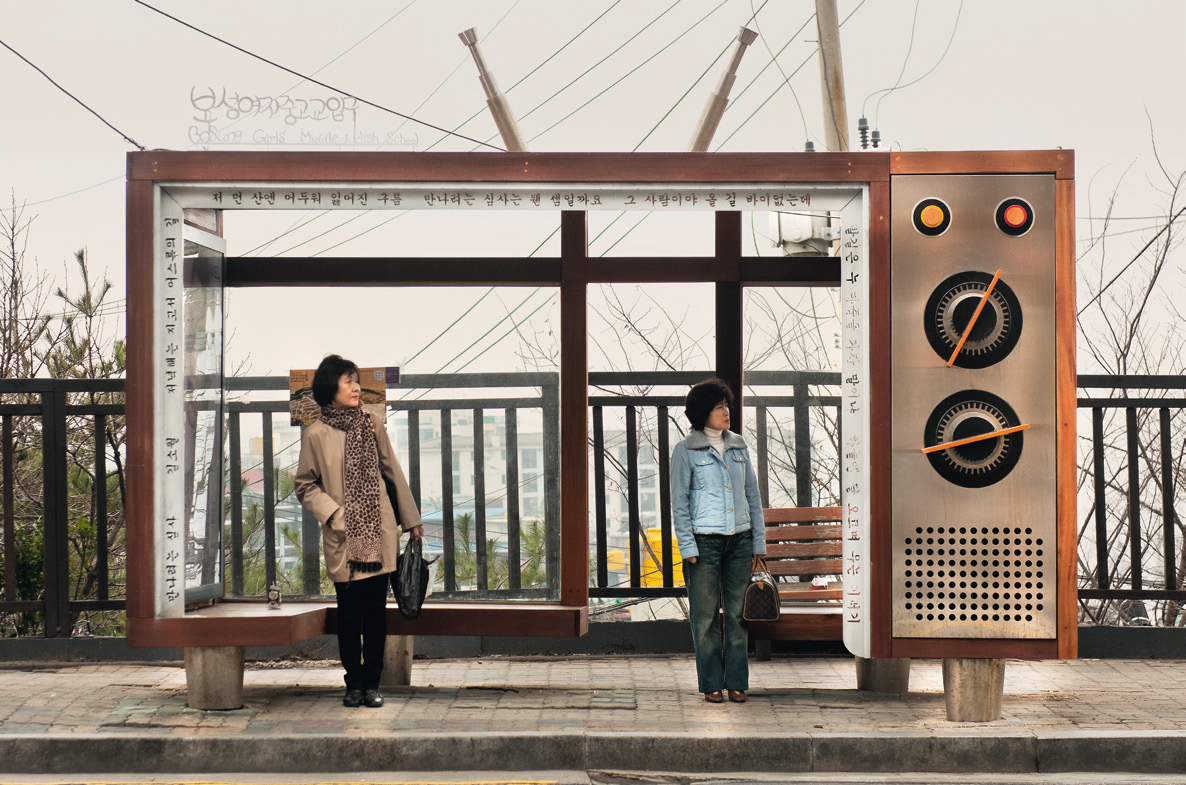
(719, 527)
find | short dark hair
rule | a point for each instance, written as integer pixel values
(703, 398)
(325, 380)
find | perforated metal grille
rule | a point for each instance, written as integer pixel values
(979, 574)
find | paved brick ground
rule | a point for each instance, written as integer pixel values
(616, 694)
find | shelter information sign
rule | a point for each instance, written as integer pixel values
(854, 415)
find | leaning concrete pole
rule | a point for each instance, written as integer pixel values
(710, 118)
(832, 76)
(508, 128)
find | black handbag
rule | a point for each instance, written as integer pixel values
(409, 582)
(761, 601)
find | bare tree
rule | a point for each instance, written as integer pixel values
(1130, 324)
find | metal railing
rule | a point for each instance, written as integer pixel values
(1130, 472)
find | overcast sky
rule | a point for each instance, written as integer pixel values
(1084, 75)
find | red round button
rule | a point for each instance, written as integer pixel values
(1015, 215)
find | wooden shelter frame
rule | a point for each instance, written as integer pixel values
(728, 269)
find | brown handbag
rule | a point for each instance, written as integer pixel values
(761, 601)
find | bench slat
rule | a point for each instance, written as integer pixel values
(784, 533)
(802, 550)
(806, 567)
(802, 514)
(808, 595)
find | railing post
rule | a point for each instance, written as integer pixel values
(236, 472)
(763, 448)
(448, 530)
(635, 522)
(269, 505)
(599, 510)
(1167, 500)
(1101, 517)
(1134, 498)
(100, 490)
(483, 579)
(665, 497)
(514, 547)
(57, 515)
(414, 454)
(551, 411)
(802, 444)
(10, 586)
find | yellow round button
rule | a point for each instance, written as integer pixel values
(931, 216)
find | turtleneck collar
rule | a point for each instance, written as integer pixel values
(716, 439)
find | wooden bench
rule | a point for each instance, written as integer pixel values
(802, 543)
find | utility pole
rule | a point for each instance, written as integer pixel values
(832, 76)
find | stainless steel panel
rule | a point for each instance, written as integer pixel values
(973, 562)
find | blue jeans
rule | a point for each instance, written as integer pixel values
(718, 578)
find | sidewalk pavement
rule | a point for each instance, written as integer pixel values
(591, 713)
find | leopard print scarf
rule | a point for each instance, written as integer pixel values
(364, 483)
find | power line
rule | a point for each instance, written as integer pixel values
(905, 60)
(954, 28)
(76, 99)
(751, 115)
(631, 71)
(311, 79)
(527, 75)
(786, 79)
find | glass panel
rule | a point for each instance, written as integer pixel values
(647, 345)
(202, 336)
(792, 360)
(478, 373)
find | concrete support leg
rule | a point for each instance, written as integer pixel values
(973, 688)
(397, 662)
(883, 674)
(214, 677)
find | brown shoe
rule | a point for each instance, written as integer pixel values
(715, 697)
(736, 696)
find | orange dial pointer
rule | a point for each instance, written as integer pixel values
(975, 316)
(970, 439)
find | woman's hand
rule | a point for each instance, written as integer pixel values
(416, 532)
(690, 560)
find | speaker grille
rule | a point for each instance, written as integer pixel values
(975, 574)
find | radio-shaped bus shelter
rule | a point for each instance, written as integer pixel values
(956, 279)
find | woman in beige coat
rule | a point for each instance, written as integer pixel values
(346, 466)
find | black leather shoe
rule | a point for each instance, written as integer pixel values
(353, 699)
(373, 699)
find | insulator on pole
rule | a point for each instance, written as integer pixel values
(710, 118)
(508, 128)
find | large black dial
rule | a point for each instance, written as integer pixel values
(961, 417)
(950, 308)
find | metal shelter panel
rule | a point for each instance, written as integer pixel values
(974, 526)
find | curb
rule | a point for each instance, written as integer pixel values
(1153, 752)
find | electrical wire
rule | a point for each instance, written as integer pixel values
(950, 41)
(274, 64)
(121, 177)
(449, 76)
(527, 75)
(588, 70)
(630, 73)
(76, 99)
(905, 60)
(761, 105)
(786, 79)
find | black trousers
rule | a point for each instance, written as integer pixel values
(362, 629)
